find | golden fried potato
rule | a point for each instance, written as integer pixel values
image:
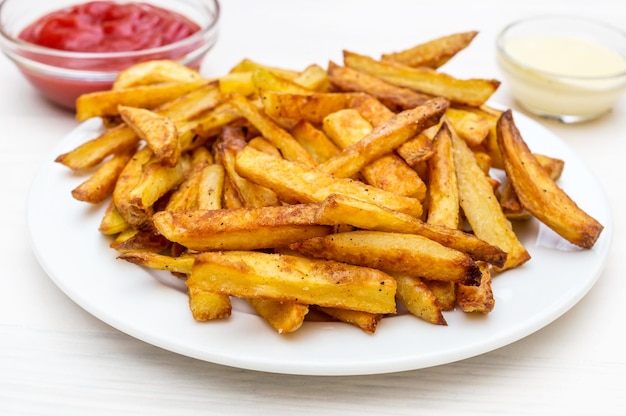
(101, 184)
(239, 229)
(294, 279)
(395, 97)
(477, 298)
(481, 207)
(394, 252)
(284, 317)
(159, 133)
(154, 72)
(156, 261)
(418, 298)
(364, 320)
(434, 53)
(473, 92)
(538, 193)
(105, 103)
(314, 141)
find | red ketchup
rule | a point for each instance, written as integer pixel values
(101, 27)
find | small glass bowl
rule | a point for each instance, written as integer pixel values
(62, 76)
(554, 94)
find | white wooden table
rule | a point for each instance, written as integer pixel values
(57, 359)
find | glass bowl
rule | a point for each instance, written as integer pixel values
(568, 68)
(62, 76)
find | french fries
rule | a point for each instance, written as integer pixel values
(352, 192)
(538, 193)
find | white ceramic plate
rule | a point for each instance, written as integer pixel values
(152, 306)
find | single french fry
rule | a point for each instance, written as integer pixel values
(128, 179)
(284, 317)
(313, 77)
(312, 107)
(434, 53)
(208, 306)
(481, 207)
(444, 208)
(112, 221)
(538, 193)
(265, 79)
(364, 320)
(395, 97)
(341, 209)
(477, 298)
(418, 299)
(154, 72)
(314, 141)
(182, 264)
(105, 103)
(239, 229)
(239, 82)
(394, 252)
(101, 184)
(443, 192)
(89, 154)
(248, 65)
(159, 132)
(416, 150)
(211, 187)
(474, 92)
(294, 279)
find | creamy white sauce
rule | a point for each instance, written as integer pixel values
(560, 76)
(566, 56)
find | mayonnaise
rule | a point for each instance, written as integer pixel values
(563, 56)
(563, 77)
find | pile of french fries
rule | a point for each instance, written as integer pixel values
(344, 193)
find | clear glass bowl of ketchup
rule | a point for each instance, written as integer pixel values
(66, 48)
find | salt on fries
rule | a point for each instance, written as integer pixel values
(340, 193)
